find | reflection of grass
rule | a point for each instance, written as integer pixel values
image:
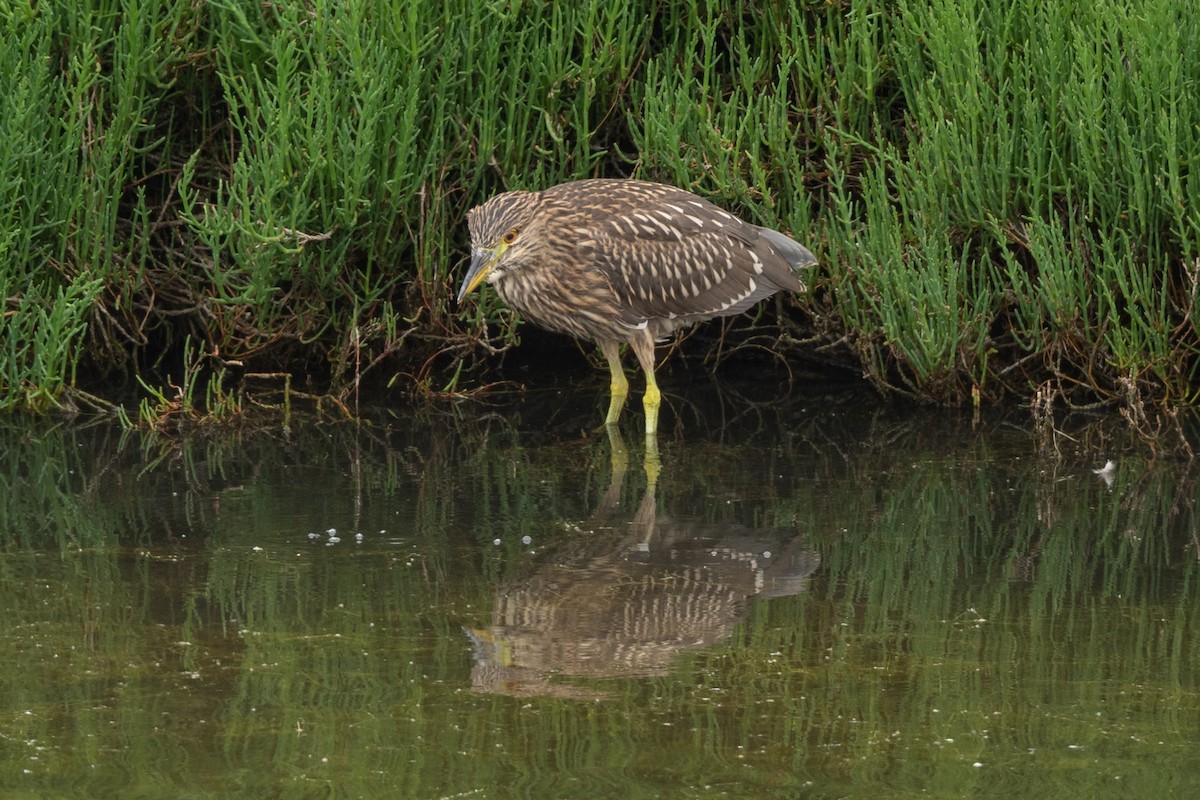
(977, 601)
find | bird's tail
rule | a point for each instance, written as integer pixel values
(793, 252)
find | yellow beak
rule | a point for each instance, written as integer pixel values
(482, 262)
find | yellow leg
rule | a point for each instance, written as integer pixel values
(643, 348)
(619, 385)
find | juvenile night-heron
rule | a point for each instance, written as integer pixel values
(616, 261)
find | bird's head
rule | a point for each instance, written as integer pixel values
(499, 237)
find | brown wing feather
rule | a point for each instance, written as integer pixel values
(674, 257)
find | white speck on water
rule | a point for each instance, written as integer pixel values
(1107, 473)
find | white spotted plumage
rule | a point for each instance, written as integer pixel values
(625, 261)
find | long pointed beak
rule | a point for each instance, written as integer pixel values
(482, 262)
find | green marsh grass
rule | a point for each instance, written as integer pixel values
(1003, 196)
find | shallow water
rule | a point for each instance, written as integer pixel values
(821, 596)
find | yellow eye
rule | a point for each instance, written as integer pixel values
(511, 236)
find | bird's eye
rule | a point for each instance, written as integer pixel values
(511, 236)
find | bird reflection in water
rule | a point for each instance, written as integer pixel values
(624, 597)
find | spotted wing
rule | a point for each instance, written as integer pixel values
(679, 259)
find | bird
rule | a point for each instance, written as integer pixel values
(614, 261)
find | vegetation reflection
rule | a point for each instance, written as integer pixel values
(949, 606)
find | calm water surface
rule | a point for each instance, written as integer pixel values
(821, 596)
